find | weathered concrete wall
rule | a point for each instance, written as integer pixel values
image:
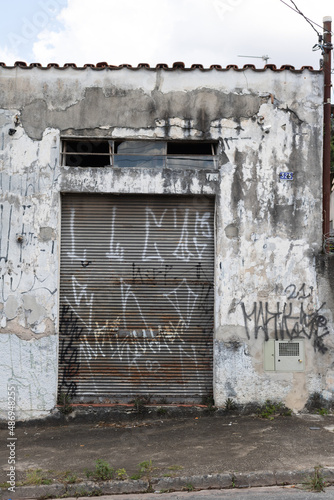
(31, 367)
(268, 232)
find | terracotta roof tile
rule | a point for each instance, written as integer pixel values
(176, 66)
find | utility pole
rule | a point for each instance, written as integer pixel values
(327, 55)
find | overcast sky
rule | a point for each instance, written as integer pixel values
(160, 31)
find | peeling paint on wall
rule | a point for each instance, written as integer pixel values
(270, 278)
(235, 376)
(32, 368)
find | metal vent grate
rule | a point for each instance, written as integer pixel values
(289, 349)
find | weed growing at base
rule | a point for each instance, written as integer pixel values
(271, 409)
(175, 467)
(230, 405)
(316, 482)
(121, 474)
(140, 403)
(146, 468)
(103, 471)
(322, 411)
(188, 487)
(64, 402)
(36, 477)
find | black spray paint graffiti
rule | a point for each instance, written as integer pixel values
(154, 275)
(291, 292)
(288, 321)
(69, 361)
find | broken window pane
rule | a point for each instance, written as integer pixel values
(138, 161)
(86, 153)
(191, 161)
(141, 147)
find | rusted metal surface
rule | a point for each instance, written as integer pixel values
(136, 311)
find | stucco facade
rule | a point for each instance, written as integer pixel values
(270, 279)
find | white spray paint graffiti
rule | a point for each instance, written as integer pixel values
(175, 300)
(148, 252)
(139, 339)
(205, 231)
(79, 293)
(115, 251)
(127, 293)
(73, 254)
(182, 250)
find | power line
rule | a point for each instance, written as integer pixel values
(299, 11)
(307, 18)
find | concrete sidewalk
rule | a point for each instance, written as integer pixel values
(201, 450)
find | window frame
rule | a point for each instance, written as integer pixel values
(113, 154)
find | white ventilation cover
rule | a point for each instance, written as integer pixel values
(289, 355)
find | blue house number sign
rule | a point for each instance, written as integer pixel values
(286, 176)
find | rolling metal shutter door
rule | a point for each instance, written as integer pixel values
(136, 297)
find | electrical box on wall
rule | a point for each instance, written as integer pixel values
(284, 355)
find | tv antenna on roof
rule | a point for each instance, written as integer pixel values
(264, 58)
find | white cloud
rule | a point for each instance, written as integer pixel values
(118, 32)
(207, 32)
(8, 56)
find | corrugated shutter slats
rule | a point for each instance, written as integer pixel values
(136, 306)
